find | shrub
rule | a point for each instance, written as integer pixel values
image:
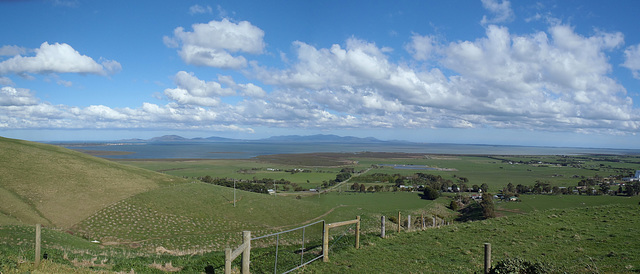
(453, 205)
(430, 193)
(517, 265)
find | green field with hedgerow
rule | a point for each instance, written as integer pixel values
(570, 213)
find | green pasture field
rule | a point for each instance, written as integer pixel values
(598, 239)
(495, 171)
(199, 217)
(238, 169)
(497, 174)
(529, 203)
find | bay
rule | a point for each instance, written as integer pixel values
(250, 149)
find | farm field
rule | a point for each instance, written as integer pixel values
(495, 171)
(157, 211)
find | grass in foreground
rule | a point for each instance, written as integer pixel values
(591, 239)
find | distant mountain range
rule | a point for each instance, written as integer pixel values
(319, 138)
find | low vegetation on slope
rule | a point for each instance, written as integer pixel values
(194, 217)
(592, 239)
(59, 187)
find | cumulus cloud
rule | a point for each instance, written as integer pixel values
(10, 96)
(213, 43)
(57, 58)
(193, 91)
(6, 81)
(246, 90)
(501, 11)
(422, 47)
(632, 60)
(555, 80)
(12, 50)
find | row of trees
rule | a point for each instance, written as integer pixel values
(421, 179)
(255, 185)
(585, 186)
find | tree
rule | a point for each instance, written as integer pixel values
(484, 187)
(355, 186)
(488, 210)
(510, 188)
(604, 188)
(363, 188)
(454, 188)
(430, 193)
(475, 188)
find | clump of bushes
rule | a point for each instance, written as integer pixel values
(520, 266)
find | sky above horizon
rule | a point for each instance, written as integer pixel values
(550, 73)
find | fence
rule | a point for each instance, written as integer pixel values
(245, 247)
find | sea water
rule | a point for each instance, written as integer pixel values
(246, 150)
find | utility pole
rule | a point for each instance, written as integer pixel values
(234, 192)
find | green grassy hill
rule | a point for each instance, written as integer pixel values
(59, 187)
(599, 239)
(194, 217)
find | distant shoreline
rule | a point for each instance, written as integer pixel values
(104, 152)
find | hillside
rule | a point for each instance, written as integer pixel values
(600, 239)
(60, 187)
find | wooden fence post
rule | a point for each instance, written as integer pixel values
(246, 254)
(433, 221)
(487, 257)
(408, 222)
(382, 220)
(38, 240)
(398, 221)
(227, 260)
(325, 243)
(422, 220)
(358, 232)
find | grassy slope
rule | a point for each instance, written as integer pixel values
(60, 187)
(592, 239)
(195, 217)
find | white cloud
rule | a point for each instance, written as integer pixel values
(199, 87)
(12, 50)
(197, 9)
(360, 62)
(193, 91)
(10, 96)
(553, 80)
(422, 47)
(6, 81)
(632, 60)
(201, 56)
(56, 58)
(64, 83)
(211, 44)
(246, 90)
(546, 81)
(501, 10)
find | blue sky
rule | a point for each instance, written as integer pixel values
(552, 73)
